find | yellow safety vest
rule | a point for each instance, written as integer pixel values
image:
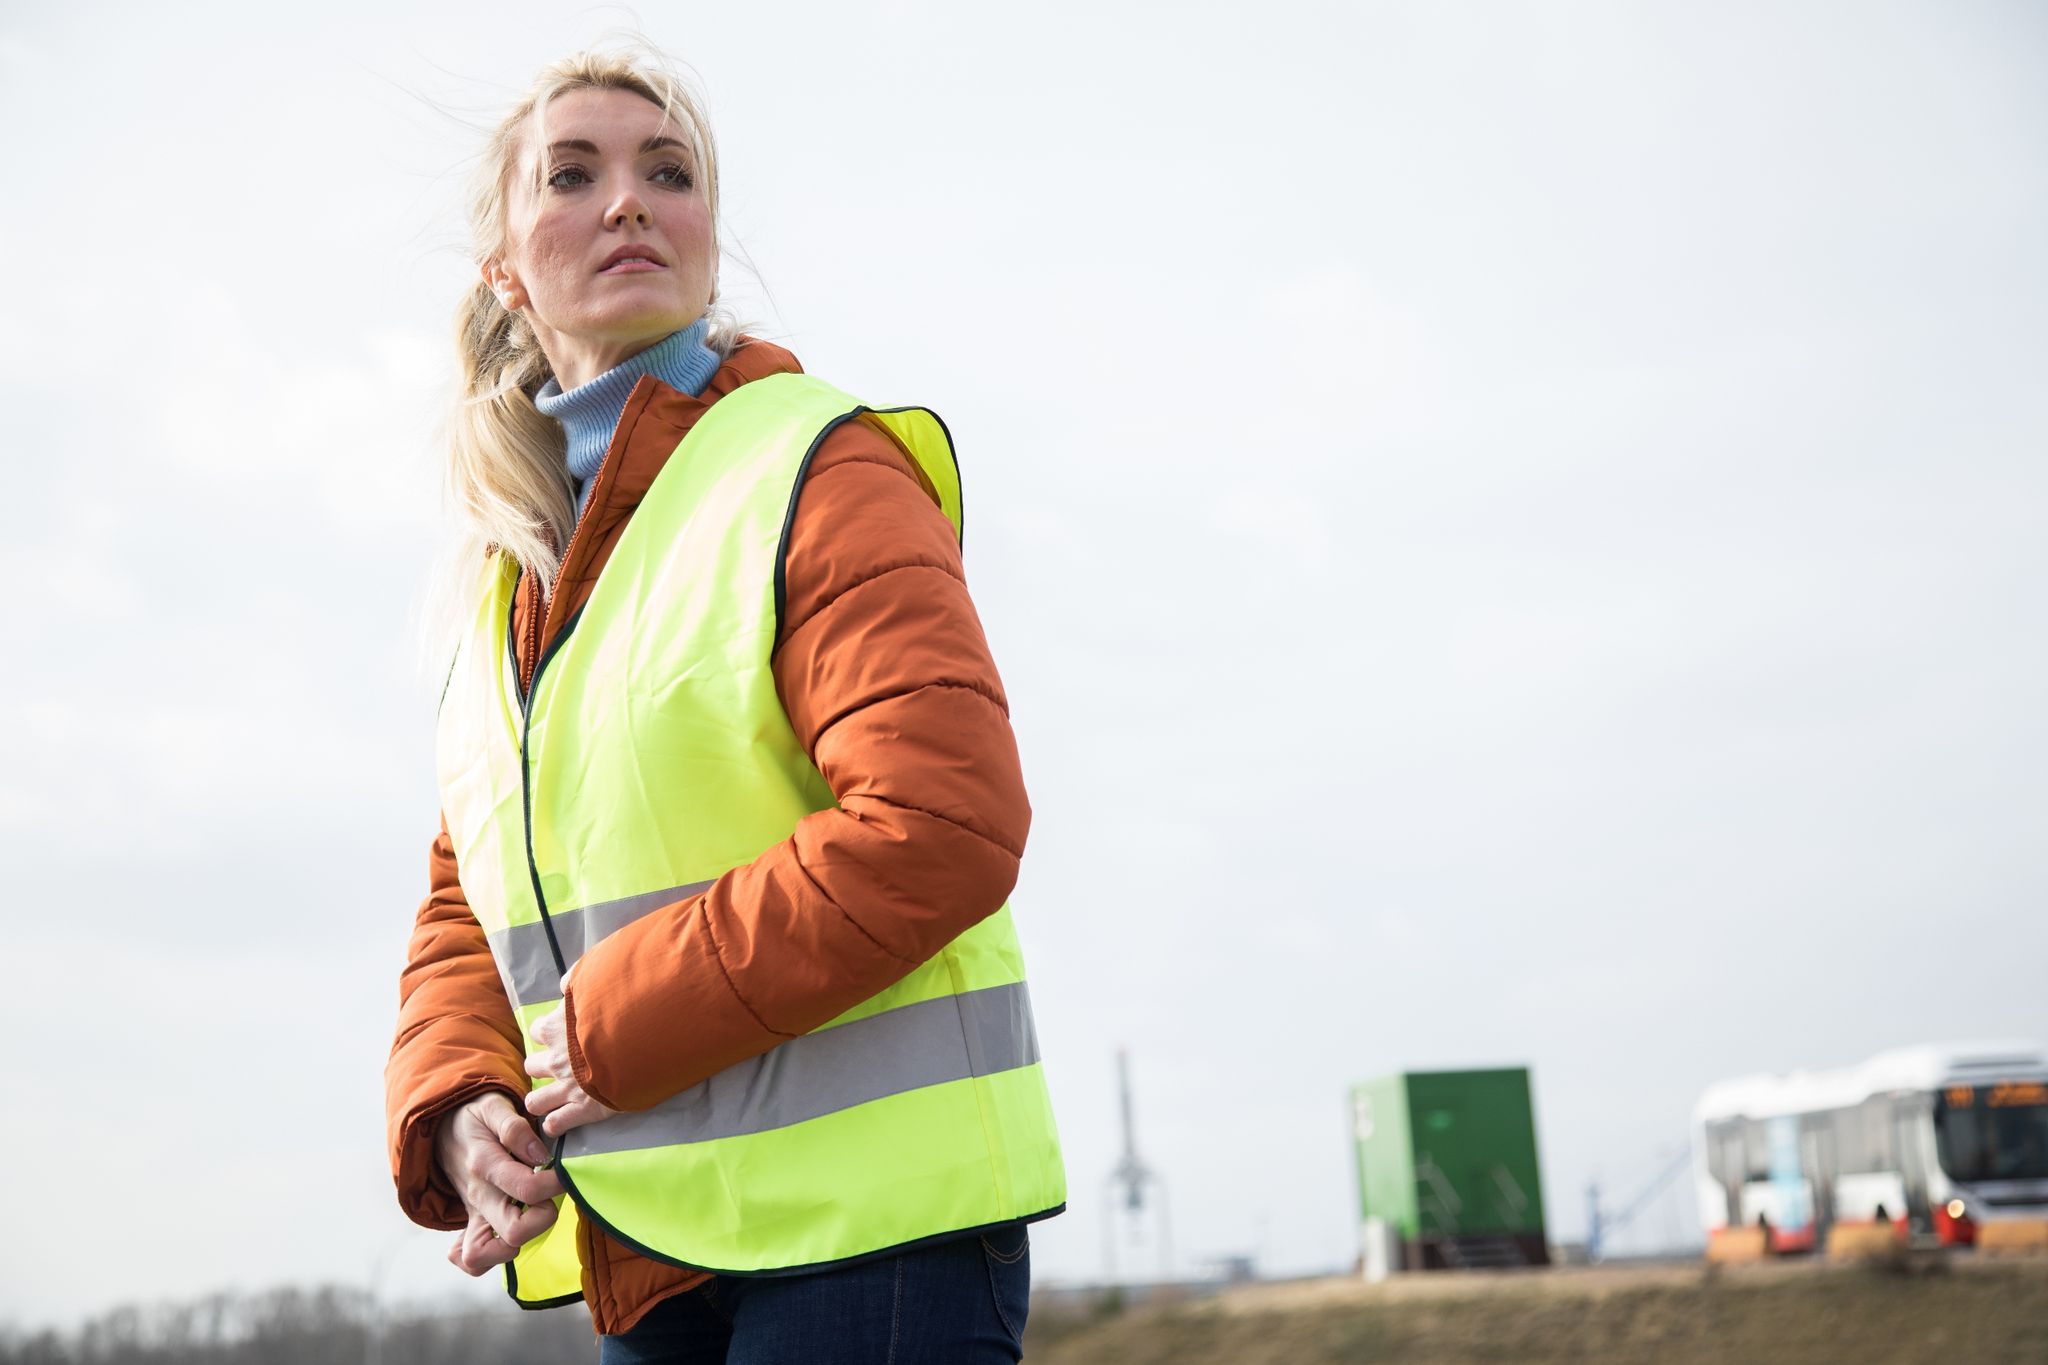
(649, 756)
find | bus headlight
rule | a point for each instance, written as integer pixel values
(1955, 1208)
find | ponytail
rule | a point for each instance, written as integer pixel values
(508, 474)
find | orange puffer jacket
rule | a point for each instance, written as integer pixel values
(883, 669)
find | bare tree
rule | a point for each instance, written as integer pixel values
(324, 1326)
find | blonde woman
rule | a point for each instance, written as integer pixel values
(713, 1017)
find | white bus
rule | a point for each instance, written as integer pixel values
(1935, 1140)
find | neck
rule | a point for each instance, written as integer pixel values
(589, 412)
(576, 361)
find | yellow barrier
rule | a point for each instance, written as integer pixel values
(2017, 1236)
(1862, 1241)
(1737, 1244)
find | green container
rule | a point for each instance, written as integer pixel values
(1447, 1160)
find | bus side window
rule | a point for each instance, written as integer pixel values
(1877, 1126)
(1852, 1147)
(1852, 1141)
(1756, 1152)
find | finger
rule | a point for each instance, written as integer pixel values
(499, 1212)
(510, 1180)
(544, 1187)
(531, 1222)
(492, 1253)
(486, 1249)
(490, 1169)
(574, 1115)
(515, 1225)
(553, 1064)
(516, 1135)
(547, 1098)
(478, 1248)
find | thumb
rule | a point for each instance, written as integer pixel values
(518, 1136)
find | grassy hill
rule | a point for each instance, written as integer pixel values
(1913, 1312)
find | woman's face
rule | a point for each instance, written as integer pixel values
(613, 251)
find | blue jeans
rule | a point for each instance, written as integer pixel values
(960, 1302)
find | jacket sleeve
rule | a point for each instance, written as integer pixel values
(887, 680)
(456, 1040)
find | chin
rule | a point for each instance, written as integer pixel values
(642, 325)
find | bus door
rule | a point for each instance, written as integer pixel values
(1817, 1147)
(1910, 1131)
(1726, 1163)
(1790, 1197)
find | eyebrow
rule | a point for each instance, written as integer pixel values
(656, 143)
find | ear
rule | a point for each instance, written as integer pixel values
(504, 284)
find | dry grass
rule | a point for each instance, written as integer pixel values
(1907, 1311)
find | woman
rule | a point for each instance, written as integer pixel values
(730, 808)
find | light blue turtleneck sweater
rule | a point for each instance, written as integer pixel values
(589, 413)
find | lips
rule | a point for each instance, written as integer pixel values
(633, 258)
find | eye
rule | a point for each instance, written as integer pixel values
(674, 173)
(560, 177)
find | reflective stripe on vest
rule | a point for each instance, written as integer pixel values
(650, 757)
(525, 953)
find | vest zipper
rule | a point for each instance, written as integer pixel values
(529, 668)
(526, 694)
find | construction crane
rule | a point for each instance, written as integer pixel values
(1130, 1183)
(1599, 1224)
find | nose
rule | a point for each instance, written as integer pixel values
(626, 208)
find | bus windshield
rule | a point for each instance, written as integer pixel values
(1979, 1138)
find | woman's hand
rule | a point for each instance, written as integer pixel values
(563, 1105)
(488, 1151)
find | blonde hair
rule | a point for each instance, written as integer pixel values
(508, 480)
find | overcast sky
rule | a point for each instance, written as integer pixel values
(1515, 534)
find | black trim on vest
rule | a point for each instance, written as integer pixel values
(796, 488)
(803, 471)
(583, 1209)
(512, 1288)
